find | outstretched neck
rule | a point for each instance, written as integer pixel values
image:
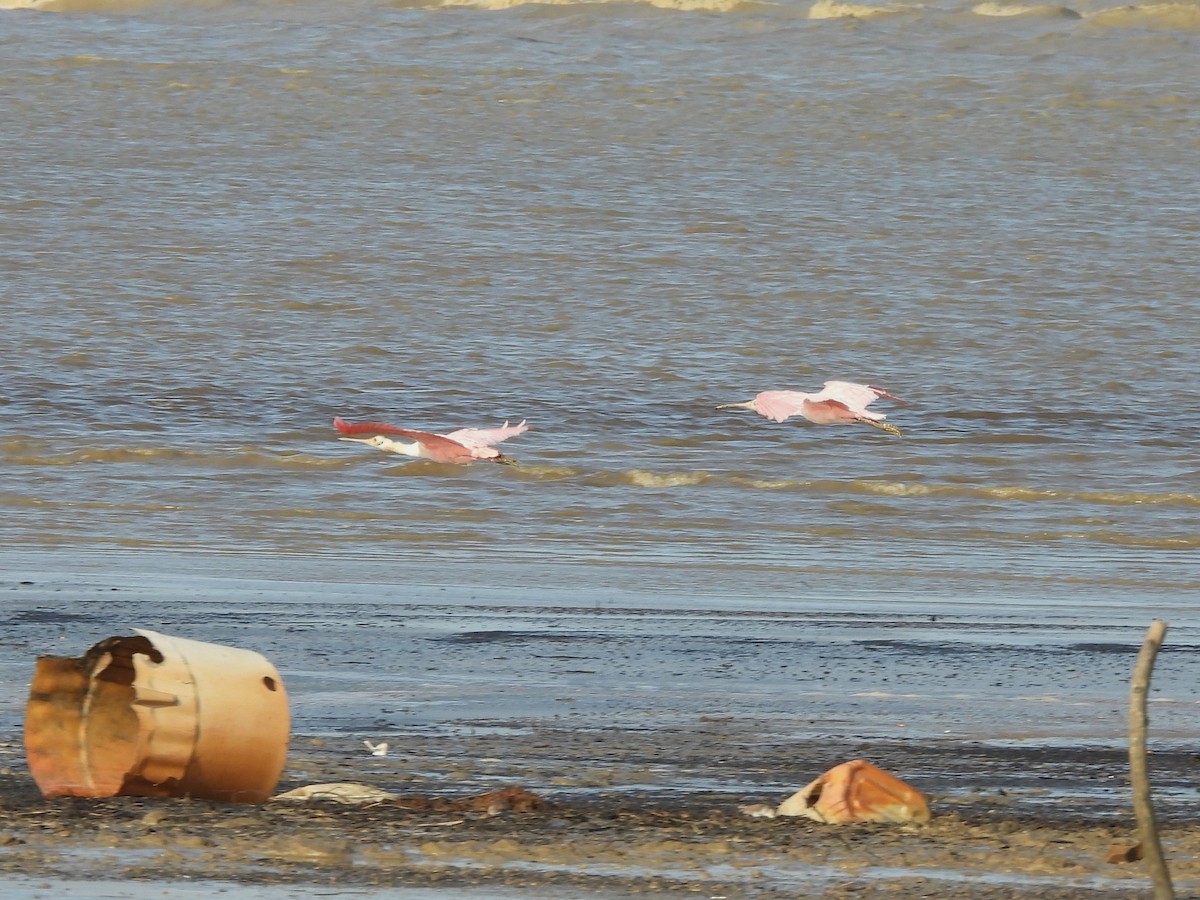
(413, 449)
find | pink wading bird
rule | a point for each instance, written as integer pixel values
(460, 447)
(837, 403)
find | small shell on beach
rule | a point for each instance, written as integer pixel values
(493, 803)
(338, 792)
(857, 791)
(151, 715)
(757, 810)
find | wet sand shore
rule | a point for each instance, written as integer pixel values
(1007, 823)
(641, 728)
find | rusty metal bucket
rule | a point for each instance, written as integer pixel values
(157, 716)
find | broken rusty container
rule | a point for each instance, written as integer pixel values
(857, 791)
(157, 716)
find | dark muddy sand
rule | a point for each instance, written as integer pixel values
(596, 834)
(641, 727)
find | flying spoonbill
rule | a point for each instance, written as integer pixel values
(460, 447)
(837, 403)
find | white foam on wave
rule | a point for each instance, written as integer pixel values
(78, 6)
(995, 9)
(1171, 16)
(1159, 16)
(642, 478)
(683, 5)
(837, 9)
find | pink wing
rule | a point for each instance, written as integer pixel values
(479, 438)
(437, 447)
(833, 412)
(443, 449)
(855, 396)
(884, 395)
(779, 405)
(374, 428)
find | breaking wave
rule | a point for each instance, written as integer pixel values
(836, 9)
(1179, 16)
(1004, 10)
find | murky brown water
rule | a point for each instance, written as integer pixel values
(224, 223)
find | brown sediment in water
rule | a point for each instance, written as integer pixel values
(1007, 822)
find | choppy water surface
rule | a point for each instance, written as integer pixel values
(225, 223)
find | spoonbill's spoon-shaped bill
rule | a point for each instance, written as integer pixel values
(460, 447)
(837, 403)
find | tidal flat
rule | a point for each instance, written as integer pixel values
(641, 726)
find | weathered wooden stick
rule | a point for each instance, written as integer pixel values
(1142, 807)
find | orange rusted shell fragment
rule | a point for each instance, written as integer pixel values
(857, 791)
(157, 716)
(1125, 853)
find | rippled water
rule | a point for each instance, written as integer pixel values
(225, 223)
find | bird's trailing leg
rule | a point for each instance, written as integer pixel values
(882, 426)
